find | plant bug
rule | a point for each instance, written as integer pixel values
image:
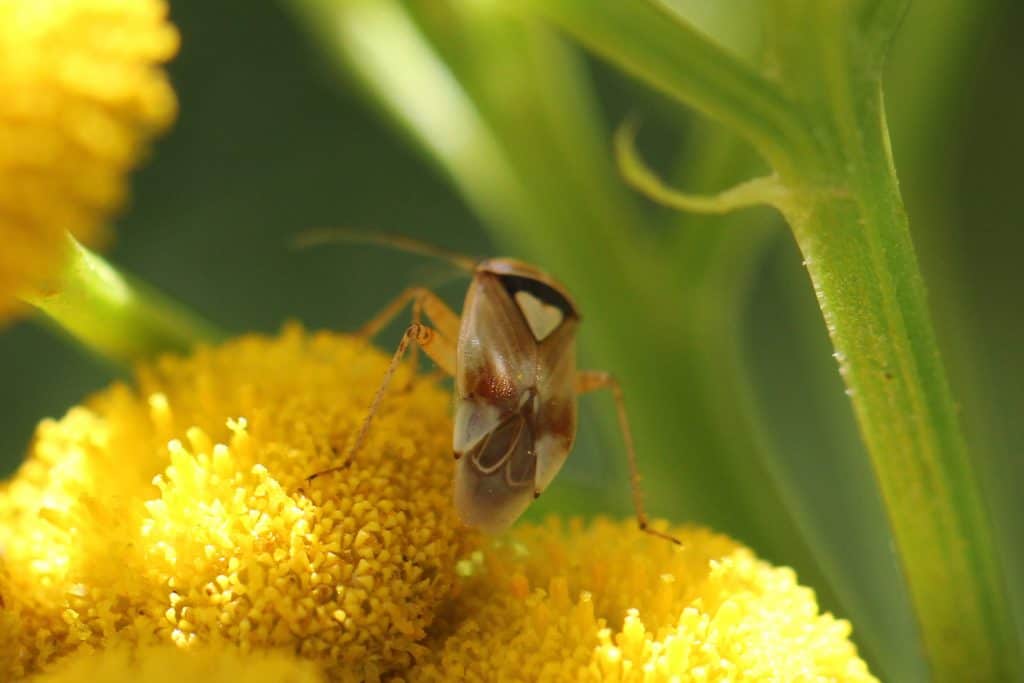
(512, 355)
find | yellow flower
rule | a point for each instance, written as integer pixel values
(607, 603)
(169, 528)
(176, 513)
(169, 664)
(81, 93)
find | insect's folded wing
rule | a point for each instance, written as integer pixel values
(497, 351)
(494, 481)
(555, 422)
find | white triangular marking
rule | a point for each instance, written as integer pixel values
(542, 318)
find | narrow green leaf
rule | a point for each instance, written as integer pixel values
(761, 191)
(648, 41)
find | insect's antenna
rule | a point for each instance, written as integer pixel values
(321, 236)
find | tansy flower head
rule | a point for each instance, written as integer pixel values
(179, 512)
(169, 664)
(81, 93)
(607, 603)
(169, 528)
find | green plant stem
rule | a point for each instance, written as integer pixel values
(113, 314)
(848, 219)
(860, 258)
(859, 254)
(946, 37)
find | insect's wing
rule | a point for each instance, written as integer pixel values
(494, 480)
(555, 425)
(496, 356)
(496, 347)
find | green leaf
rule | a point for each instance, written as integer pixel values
(655, 45)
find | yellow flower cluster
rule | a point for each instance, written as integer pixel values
(168, 530)
(169, 664)
(179, 512)
(566, 602)
(81, 93)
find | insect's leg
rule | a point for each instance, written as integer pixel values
(423, 301)
(414, 354)
(440, 350)
(388, 313)
(446, 321)
(593, 380)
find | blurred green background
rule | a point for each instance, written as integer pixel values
(271, 141)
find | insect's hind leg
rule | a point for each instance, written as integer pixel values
(439, 349)
(593, 380)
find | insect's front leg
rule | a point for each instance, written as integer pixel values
(424, 302)
(438, 348)
(588, 381)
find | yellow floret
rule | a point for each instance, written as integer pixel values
(168, 531)
(607, 603)
(179, 512)
(169, 664)
(81, 93)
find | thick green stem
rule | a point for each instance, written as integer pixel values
(114, 315)
(859, 255)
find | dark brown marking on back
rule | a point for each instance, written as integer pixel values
(543, 292)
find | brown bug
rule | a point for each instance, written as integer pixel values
(512, 355)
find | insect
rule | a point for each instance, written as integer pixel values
(512, 354)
